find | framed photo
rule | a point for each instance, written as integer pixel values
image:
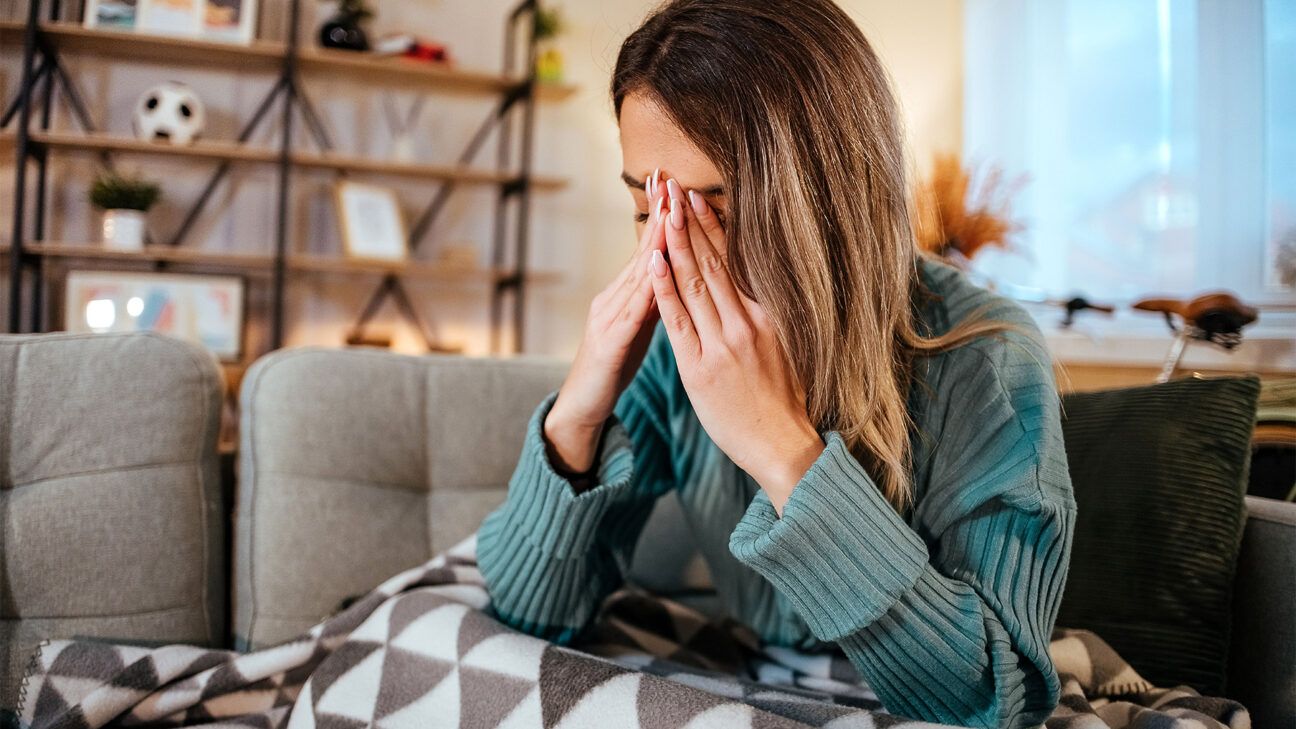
(170, 17)
(111, 14)
(205, 309)
(372, 224)
(231, 21)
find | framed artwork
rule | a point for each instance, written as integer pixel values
(231, 21)
(205, 309)
(170, 17)
(372, 224)
(111, 14)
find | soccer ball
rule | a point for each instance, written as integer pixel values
(169, 112)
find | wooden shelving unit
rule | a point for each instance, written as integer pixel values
(46, 40)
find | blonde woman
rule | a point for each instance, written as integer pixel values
(866, 446)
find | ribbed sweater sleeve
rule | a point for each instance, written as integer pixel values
(949, 619)
(548, 554)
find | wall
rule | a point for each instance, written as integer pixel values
(584, 231)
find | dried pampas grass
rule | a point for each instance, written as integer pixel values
(954, 219)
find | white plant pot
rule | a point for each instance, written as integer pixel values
(123, 230)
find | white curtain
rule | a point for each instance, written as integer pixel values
(1158, 136)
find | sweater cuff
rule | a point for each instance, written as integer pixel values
(840, 553)
(543, 506)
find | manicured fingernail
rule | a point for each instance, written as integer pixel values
(656, 180)
(699, 205)
(677, 213)
(648, 187)
(661, 208)
(673, 189)
(658, 264)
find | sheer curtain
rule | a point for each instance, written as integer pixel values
(1158, 138)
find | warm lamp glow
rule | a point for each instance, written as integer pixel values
(100, 314)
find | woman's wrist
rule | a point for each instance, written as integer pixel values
(779, 478)
(572, 449)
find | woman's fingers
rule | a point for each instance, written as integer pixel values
(640, 302)
(656, 209)
(637, 263)
(679, 325)
(637, 271)
(708, 221)
(713, 263)
(689, 282)
(645, 237)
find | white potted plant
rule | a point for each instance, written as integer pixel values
(124, 200)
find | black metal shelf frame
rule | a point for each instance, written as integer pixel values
(513, 196)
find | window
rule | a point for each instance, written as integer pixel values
(1158, 139)
(1280, 138)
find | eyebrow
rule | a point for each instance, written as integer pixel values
(631, 182)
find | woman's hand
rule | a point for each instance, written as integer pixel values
(730, 362)
(617, 332)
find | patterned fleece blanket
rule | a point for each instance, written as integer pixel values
(422, 650)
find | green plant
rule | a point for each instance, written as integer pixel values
(548, 23)
(112, 191)
(354, 9)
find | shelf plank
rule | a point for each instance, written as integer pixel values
(208, 149)
(411, 269)
(396, 70)
(153, 253)
(267, 56)
(260, 56)
(351, 163)
(232, 151)
(301, 263)
(368, 68)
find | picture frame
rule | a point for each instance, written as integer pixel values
(371, 221)
(111, 14)
(229, 21)
(206, 309)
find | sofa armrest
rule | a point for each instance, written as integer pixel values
(1262, 662)
(110, 497)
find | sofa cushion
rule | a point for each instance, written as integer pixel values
(110, 501)
(1160, 475)
(357, 464)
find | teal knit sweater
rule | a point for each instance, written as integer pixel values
(946, 610)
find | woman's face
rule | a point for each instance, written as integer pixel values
(649, 141)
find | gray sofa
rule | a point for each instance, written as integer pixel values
(357, 464)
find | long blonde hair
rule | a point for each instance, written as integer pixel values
(789, 101)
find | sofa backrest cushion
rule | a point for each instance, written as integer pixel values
(111, 520)
(357, 464)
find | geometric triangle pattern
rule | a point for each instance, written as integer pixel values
(424, 650)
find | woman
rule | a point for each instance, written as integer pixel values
(895, 484)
